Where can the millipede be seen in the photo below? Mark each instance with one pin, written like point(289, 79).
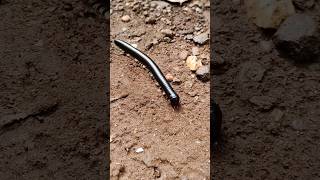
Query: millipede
point(153, 68)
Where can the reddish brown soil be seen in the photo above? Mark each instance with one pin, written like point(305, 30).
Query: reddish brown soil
point(175, 143)
point(281, 141)
point(52, 91)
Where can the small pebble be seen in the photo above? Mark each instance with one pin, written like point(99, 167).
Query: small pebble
point(167, 32)
point(125, 18)
point(218, 61)
point(134, 45)
point(176, 81)
point(189, 37)
point(150, 20)
point(193, 63)
point(124, 29)
point(139, 150)
point(169, 77)
point(201, 38)
point(203, 73)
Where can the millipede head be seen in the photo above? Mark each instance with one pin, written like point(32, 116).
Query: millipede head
point(175, 101)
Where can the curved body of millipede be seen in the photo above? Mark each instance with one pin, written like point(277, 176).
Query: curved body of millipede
point(154, 69)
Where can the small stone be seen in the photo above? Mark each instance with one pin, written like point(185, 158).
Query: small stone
point(125, 18)
point(218, 61)
point(134, 45)
point(201, 38)
point(183, 54)
point(195, 51)
point(263, 102)
point(269, 14)
point(298, 37)
point(167, 32)
point(251, 72)
point(169, 77)
point(159, 4)
point(151, 20)
point(197, 28)
point(266, 46)
point(198, 10)
point(193, 63)
point(145, 13)
point(203, 73)
point(139, 150)
point(166, 39)
point(124, 29)
point(189, 37)
point(218, 64)
point(176, 81)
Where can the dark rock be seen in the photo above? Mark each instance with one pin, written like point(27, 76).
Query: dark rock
point(151, 20)
point(203, 73)
point(269, 14)
point(218, 64)
point(218, 61)
point(304, 4)
point(298, 38)
point(251, 72)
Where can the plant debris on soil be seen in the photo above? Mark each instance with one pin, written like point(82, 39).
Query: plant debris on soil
point(52, 95)
point(149, 140)
point(270, 101)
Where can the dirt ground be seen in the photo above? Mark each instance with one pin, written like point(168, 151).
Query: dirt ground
point(276, 136)
point(52, 92)
point(175, 143)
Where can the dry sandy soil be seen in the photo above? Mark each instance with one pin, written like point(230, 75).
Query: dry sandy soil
point(276, 137)
point(175, 143)
point(52, 92)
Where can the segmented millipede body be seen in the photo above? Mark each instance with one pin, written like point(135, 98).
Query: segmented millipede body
point(153, 68)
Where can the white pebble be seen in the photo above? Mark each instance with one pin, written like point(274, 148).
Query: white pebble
point(139, 150)
point(125, 18)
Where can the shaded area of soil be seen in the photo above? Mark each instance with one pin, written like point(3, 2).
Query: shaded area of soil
point(270, 104)
point(53, 96)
